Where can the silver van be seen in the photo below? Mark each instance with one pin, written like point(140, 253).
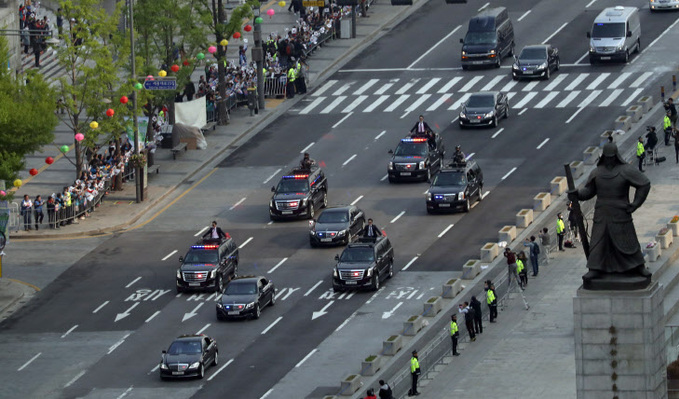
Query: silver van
point(615, 34)
point(655, 5)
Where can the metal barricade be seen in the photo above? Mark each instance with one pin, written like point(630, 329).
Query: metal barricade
point(14, 220)
point(274, 86)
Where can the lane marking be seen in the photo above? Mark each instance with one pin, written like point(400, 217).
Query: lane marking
point(450, 84)
point(245, 243)
point(407, 86)
point(219, 369)
point(342, 120)
point(615, 94)
point(416, 104)
point(170, 254)
point(386, 87)
point(201, 231)
point(550, 96)
point(348, 319)
point(525, 14)
point(634, 95)
point(376, 103)
point(450, 226)
point(543, 143)
point(555, 32)
point(492, 83)
point(428, 86)
point(356, 200)
point(306, 357)
point(409, 263)
point(485, 194)
point(267, 393)
point(69, 331)
point(307, 147)
point(311, 106)
point(434, 46)
point(386, 315)
point(349, 160)
point(439, 102)
point(455, 120)
point(483, 6)
point(641, 79)
point(526, 99)
point(468, 157)
point(522, 111)
point(372, 298)
point(152, 316)
point(598, 80)
point(324, 88)
point(366, 86)
point(398, 216)
point(77, 376)
point(238, 203)
point(128, 390)
point(132, 282)
point(555, 82)
point(583, 56)
point(266, 330)
point(100, 306)
point(380, 135)
point(277, 265)
point(570, 97)
point(508, 173)
point(313, 288)
point(471, 83)
point(384, 177)
point(203, 329)
point(153, 370)
point(396, 103)
point(622, 77)
point(117, 344)
point(272, 176)
point(590, 3)
point(497, 133)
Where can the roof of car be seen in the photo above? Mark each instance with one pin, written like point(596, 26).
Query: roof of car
point(449, 167)
point(245, 279)
point(536, 46)
point(190, 337)
point(338, 208)
point(484, 93)
point(366, 242)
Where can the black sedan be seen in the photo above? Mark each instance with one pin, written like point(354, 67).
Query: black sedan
point(336, 225)
point(484, 109)
point(246, 297)
point(189, 356)
point(537, 61)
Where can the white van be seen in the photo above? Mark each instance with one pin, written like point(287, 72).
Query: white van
point(615, 34)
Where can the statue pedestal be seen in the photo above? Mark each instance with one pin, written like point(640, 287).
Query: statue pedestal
point(620, 344)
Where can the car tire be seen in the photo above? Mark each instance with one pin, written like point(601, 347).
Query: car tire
point(273, 299)
point(390, 273)
point(220, 317)
point(216, 360)
point(324, 203)
point(498, 64)
point(639, 46)
point(626, 57)
point(430, 211)
point(480, 193)
point(506, 115)
point(179, 290)
point(391, 180)
point(548, 73)
point(376, 282)
point(311, 211)
point(514, 77)
point(312, 243)
point(494, 124)
point(465, 67)
point(427, 178)
point(258, 312)
point(592, 61)
point(219, 284)
point(201, 372)
point(558, 64)
point(466, 205)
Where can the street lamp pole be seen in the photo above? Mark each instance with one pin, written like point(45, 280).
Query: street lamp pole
point(137, 169)
point(258, 56)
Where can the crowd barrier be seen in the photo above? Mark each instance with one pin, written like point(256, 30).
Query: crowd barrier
point(274, 86)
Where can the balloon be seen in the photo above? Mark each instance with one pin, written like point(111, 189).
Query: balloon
point(124, 100)
point(236, 35)
point(33, 171)
point(17, 183)
point(138, 86)
point(79, 137)
point(212, 49)
point(247, 28)
point(93, 125)
point(49, 160)
point(162, 73)
point(186, 62)
point(174, 68)
point(150, 77)
point(270, 12)
point(2, 193)
point(110, 112)
point(281, 3)
point(64, 149)
point(258, 20)
point(200, 56)
point(224, 43)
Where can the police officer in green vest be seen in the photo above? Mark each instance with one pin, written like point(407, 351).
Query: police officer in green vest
point(641, 153)
point(560, 230)
point(290, 87)
point(491, 300)
point(300, 84)
point(454, 333)
point(414, 374)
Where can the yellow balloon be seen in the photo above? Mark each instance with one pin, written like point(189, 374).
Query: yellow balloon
point(281, 3)
point(224, 42)
point(94, 125)
point(18, 183)
point(162, 74)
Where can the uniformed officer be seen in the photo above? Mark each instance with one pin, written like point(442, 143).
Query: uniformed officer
point(414, 374)
point(560, 230)
point(454, 333)
point(641, 153)
point(290, 89)
point(459, 157)
point(491, 300)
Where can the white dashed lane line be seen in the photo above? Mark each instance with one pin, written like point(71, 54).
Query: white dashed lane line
point(266, 330)
point(272, 176)
point(170, 254)
point(100, 306)
point(200, 232)
point(351, 158)
point(306, 148)
point(398, 217)
point(69, 331)
point(210, 378)
point(409, 263)
point(543, 143)
point(29, 362)
point(277, 265)
point(381, 134)
point(509, 173)
point(450, 226)
point(356, 200)
point(238, 203)
point(245, 243)
point(306, 357)
point(132, 282)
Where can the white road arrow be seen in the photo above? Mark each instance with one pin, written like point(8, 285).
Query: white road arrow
point(321, 312)
point(192, 313)
point(126, 313)
point(386, 315)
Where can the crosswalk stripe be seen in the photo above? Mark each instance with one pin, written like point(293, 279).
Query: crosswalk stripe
point(428, 86)
point(313, 105)
point(438, 102)
point(354, 104)
point(333, 104)
point(564, 103)
point(546, 100)
point(471, 83)
point(641, 79)
point(525, 100)
point(589, 98)
point(577, 81)
point(384, 88)
point(396, 103)
point(376, 103)
point(325, 87)
point(366, 86)
point(555, 82)
point(598, 81)
point(450, 84)
point(492, 83)
point(417, 103)
point(530, 86)
point(511, 95)
point(509, 85)
point(457, 103)
point(621, 78)
point(615, 94)
point(342, 89)
point(632, 97)
point(407, 86)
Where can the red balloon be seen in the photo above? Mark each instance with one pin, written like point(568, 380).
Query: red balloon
point(186, 63)
point(174, 68)
point(236, 35)
point(33, 171)
point(124, 100)
point(49, 160)
point(110, 112)
point(247, 28)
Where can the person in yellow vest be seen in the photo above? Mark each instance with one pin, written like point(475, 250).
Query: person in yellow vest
point(290, 87)
point(414, 374)
point(68, 214)
point(300, 84)
point(667, 127)
point(491, 300)
point(521, 269)
point(454, 333)
point(641, 153)
point(560, 230)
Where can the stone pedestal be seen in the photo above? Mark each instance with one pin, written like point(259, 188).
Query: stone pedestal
point(620, 344)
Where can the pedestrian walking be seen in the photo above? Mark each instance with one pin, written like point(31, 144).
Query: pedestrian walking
point(478, 315)
point(468, 319)
point(454, 333)
point(25, 39)
point(546, 242)
point(512, 268)
point(534, 253)
point(385, 391)
point(37, 207)
point(491, 300)
point(560, 230)
point(27, 212)
point(414, 374)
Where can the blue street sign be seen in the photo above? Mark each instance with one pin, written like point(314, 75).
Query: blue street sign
point(160, 85)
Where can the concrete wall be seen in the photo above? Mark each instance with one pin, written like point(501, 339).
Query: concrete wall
point(9, 19)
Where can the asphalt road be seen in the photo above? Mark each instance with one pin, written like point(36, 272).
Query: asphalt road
point(97, 330)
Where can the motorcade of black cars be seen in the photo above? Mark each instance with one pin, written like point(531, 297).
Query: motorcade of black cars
point(208, 265)
point(246, 296)
point(536, 61)
point(489, 38)
point(189, 356)
point(364, 264)
point(298, 194)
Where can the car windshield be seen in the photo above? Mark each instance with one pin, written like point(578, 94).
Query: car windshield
point(485, 101)
point(412, 149)
point(333, 217)
point(480, 38)
point(293, 186)
point(184, 348)
point(449, 179)
point(202, 256)
point(358, 255)
point(533, 54)
point(241, 289)
point(600, 30)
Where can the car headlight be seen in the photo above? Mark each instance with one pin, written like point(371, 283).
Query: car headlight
point(492, 51)
point(213, 273)
point(422, 164)
point(272, 204)
point(391, 166)
point(464, 52)
point(515, 66)
point(489, 115)
point(461, 195)
point(179, 274)
point(591, 49)
point(341, 233)
point(463, 115)
point(250, 305)
point(313, 233)
point(620, 47)
point(334, 272)
point(194, 365)
point(542, 66)
point(369, 272)
point(430, 196)
point(219, 305)
point(163, 366)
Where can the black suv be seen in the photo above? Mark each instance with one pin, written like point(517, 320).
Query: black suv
point(364, 263)
point(208, 266)
point(416, 157)
point(455, 186)
point(298, 194)
point(336, 225)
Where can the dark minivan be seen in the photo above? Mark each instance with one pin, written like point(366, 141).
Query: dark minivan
point(489, 38)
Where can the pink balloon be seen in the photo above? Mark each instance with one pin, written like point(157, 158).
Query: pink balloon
point(270, 12)
point(212, 49)
point(79, 136)
point(2, 193)
point(150, 77)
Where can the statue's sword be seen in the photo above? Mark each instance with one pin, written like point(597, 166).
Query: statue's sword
point(578, 212)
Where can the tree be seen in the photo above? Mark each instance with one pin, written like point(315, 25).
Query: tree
point(27, 117)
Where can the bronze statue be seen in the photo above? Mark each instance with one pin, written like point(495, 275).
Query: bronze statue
point(615, 260)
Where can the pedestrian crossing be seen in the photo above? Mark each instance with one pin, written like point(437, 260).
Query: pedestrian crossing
point(406, 95)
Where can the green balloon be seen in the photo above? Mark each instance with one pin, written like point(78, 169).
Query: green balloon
point(200, 56)
point(64, 148)
point(259, 20)
point(138, 86)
